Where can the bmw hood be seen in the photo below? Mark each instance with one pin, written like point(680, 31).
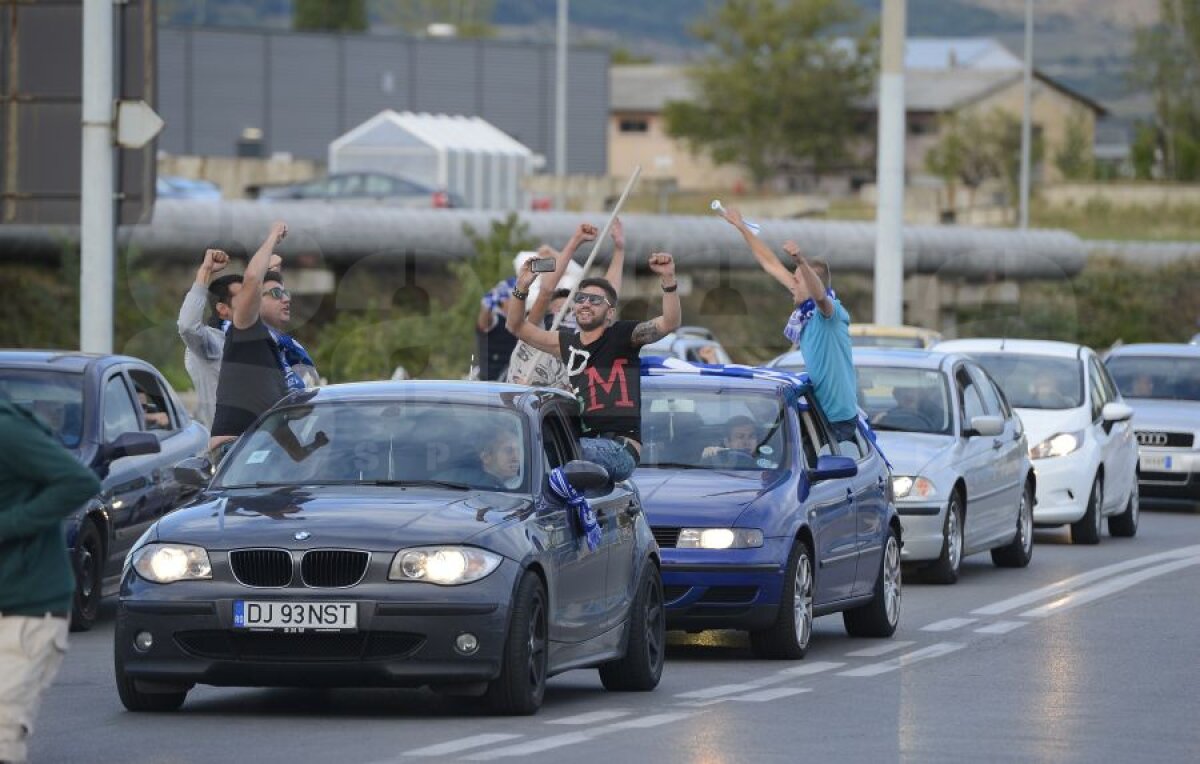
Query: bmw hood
point(376, 518)
point(911, 452)
point(1045, 423)
point(702, 497)
point(1169, 416)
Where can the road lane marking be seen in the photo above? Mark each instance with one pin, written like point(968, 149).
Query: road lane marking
point(1100, 591)
point(1001, 627)
point(949, 624)
point(463, 744)
point(593, 717)
point(808, 669)
point(884, 649)
point(906, 660)
point(766, 696)
point(704, 696)
point(581, 736)
point(1065, 585)
point(718, 691)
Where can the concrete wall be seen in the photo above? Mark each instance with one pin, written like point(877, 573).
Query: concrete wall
point(1122, 194)
point(235, 175)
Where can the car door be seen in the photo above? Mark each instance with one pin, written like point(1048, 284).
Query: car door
point(1005, 464)
point(160, 418)
point(577, 586)
point(1112, 438)
point(975, 468)
point(829, 508)
point(1128, 449)
point(128, 493)
point(870, 510)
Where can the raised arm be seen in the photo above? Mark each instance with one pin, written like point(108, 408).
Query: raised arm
point(527, 331)
point(616, 266)
point(191, 313)
point(585, 232)
point(249, 298)
point(762, 253)
point(657, 328)
point(810, 279)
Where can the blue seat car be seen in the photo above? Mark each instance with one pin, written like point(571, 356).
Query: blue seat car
point(764, 522)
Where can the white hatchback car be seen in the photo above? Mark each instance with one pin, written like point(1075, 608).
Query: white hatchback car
point(1082, 444)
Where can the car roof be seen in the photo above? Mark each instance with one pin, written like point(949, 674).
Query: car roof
point(885, 330)
point(1173, 349)
point(910, 358)
point(1051, 348)
point(790, 358)
point(454, 391)
point(60, 360)
point(699, 381)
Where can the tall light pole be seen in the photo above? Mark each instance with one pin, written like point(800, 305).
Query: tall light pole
point(560, 102)
point(1027, 119)
point(97, 225)
point(889, 213)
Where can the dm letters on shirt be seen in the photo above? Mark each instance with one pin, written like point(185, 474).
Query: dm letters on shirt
point(600, 393)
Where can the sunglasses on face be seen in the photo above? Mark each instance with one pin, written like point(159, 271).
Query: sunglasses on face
point(279, 293)
point(590, 299)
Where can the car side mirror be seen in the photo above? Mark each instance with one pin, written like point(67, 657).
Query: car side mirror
point(1116, 412)
point(586, 477)
point(985, 426)
point(194, 472)
point(130, 444)
point(831, 467)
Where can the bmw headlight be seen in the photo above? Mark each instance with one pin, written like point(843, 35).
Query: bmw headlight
point(1057, 445)
point(168, 563)
point(443, 565)
point(904, 487)
point(719, 538)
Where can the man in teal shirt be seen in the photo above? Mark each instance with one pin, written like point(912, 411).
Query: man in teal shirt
point(41, 483)
point(819, 326)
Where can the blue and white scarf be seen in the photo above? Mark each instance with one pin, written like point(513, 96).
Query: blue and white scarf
point(801, 316)
point(585, 516)
point(497, 296)
point(290, 354)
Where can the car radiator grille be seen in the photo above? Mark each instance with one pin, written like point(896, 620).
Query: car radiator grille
point(1165, 439)
point(262, 567)
point(333, 567)
point(307, 647)
point(666, 537)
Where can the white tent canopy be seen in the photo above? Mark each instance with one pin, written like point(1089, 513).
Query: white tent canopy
point(463, 155)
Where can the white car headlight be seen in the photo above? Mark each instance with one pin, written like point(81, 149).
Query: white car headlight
point(168, 563)
point(443, 565)
point(918, 487)
point(719, 538)
point(1057, 445)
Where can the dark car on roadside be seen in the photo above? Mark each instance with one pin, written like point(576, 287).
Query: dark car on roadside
point(766, 531)
point(396, 534)
point(120, 417)
point(364, 188)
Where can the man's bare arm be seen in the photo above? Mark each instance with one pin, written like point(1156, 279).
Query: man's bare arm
point(249, 298)
point(616, 266)
point(519, 327)
point(585, 232)
point(762, 253)
point(812, 282)
point(655, 329)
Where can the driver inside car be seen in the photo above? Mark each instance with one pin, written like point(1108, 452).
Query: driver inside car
point(741, 437)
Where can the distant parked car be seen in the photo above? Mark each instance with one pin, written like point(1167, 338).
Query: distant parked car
point(1084, 451)
point(117, 415)
point(882, 336)
point(694, 344)
point(364, 188)
point(1195, 339)
point(174, 187)
point(961, 473)
point(1162, 384)
point(792, 360)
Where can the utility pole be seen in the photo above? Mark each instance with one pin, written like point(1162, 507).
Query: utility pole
point(560, 104)
point(97, 225)
point(889, 212)
point(1027, 118)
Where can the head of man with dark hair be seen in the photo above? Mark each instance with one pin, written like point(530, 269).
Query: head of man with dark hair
point(221, 292)
point(276, 308)
point(595, 303)
point(500, 454)
point(741, 434)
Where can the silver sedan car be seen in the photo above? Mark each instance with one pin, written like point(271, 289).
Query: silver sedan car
point(961, 472)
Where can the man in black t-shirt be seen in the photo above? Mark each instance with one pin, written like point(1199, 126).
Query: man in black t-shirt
point(602, 361)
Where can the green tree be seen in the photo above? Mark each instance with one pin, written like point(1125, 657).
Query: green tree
point(963, 154)
point(1142, 152)
point(1004, 129)
point(330, 15)
point(471, 18)
point(1167, 65)
point(779, 95)
point(1074, 157)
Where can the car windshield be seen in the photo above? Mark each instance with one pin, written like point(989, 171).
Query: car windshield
point(383, 442)
point(793, 362)
point(905, 399)
point(712, 429)
point(1036, 381)
point(866, 341)
point(56, 397)
point(1159, 377)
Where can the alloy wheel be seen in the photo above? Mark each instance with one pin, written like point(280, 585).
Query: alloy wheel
point(802, 601)
point(1098, 499)
point(891, 579)
point(537, 643)
point(1025, 524)
point(655, 625)
point(953, 538)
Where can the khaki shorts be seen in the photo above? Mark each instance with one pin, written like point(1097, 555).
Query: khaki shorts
point(31, 651)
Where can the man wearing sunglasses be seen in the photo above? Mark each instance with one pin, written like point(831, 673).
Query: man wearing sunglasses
point(602, 361)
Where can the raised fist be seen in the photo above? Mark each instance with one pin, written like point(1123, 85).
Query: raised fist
point(662, 264)
point(586, 232)
point(279, 231)
point(793, 250)
point(215, 260)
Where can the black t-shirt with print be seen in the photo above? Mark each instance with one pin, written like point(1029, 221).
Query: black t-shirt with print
point(251, 379)
point(606, 378)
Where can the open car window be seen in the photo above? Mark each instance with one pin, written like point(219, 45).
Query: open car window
point(714, 428)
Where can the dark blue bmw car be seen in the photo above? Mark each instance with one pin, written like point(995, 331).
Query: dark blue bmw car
point(765, 521)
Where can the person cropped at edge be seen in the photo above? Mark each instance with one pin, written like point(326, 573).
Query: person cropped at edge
point(41, 483)
point(602, 361)
point(819, 325)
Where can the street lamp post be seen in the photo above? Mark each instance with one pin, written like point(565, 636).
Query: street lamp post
point(97, 224)
point(1027, 119)
point(560, 103)
point(889, 214)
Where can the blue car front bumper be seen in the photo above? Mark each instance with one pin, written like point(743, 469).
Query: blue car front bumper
point(725, 589)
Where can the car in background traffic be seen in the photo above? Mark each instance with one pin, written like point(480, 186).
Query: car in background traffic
point(693, 344)
point(1084, 452)
point(175, 187)
point(118, 416)
point(394, 534)
point(764, 521)
point(1162, 384)
point(961, 473)
point(883, 336)
point(364, 188)
point(791, 361)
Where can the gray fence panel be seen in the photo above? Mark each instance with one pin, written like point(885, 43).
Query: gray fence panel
point(587, 114)
point(172, 92)
point(376, 77)
point(514, 96)
point(228, 85)
point(447, 77)
point(303, 94)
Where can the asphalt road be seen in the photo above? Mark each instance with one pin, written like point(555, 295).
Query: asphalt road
point(1092, 654)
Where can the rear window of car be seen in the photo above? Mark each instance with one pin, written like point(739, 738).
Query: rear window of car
point(56, 397)
point(1034, 381)
point(1157, 377)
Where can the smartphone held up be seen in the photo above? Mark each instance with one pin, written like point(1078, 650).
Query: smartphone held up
point(543, 265)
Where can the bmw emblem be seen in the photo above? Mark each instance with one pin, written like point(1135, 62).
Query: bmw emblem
point(302, 535)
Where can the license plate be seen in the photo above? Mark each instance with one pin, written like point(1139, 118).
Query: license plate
point(1156, 462)
point(295, 616)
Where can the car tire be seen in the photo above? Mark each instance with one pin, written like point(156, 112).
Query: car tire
point(645, 650)
point(945, 569)
point(519, 689)
point(1125, 525)
point(1018, 552)
point(1087, 529)
point(789, 636)
point(880, 616)
point(88, 559)
point(135, 700)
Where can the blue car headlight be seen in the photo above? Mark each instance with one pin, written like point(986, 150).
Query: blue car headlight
point(719, 538)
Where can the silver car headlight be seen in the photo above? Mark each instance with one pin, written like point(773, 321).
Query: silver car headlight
point(168, 563)
point(905, 486)
point(1057, 445)
point(443, 565)
point(719, 538)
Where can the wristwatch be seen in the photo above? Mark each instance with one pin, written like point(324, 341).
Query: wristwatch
point(517, 293)
point(671, 288)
